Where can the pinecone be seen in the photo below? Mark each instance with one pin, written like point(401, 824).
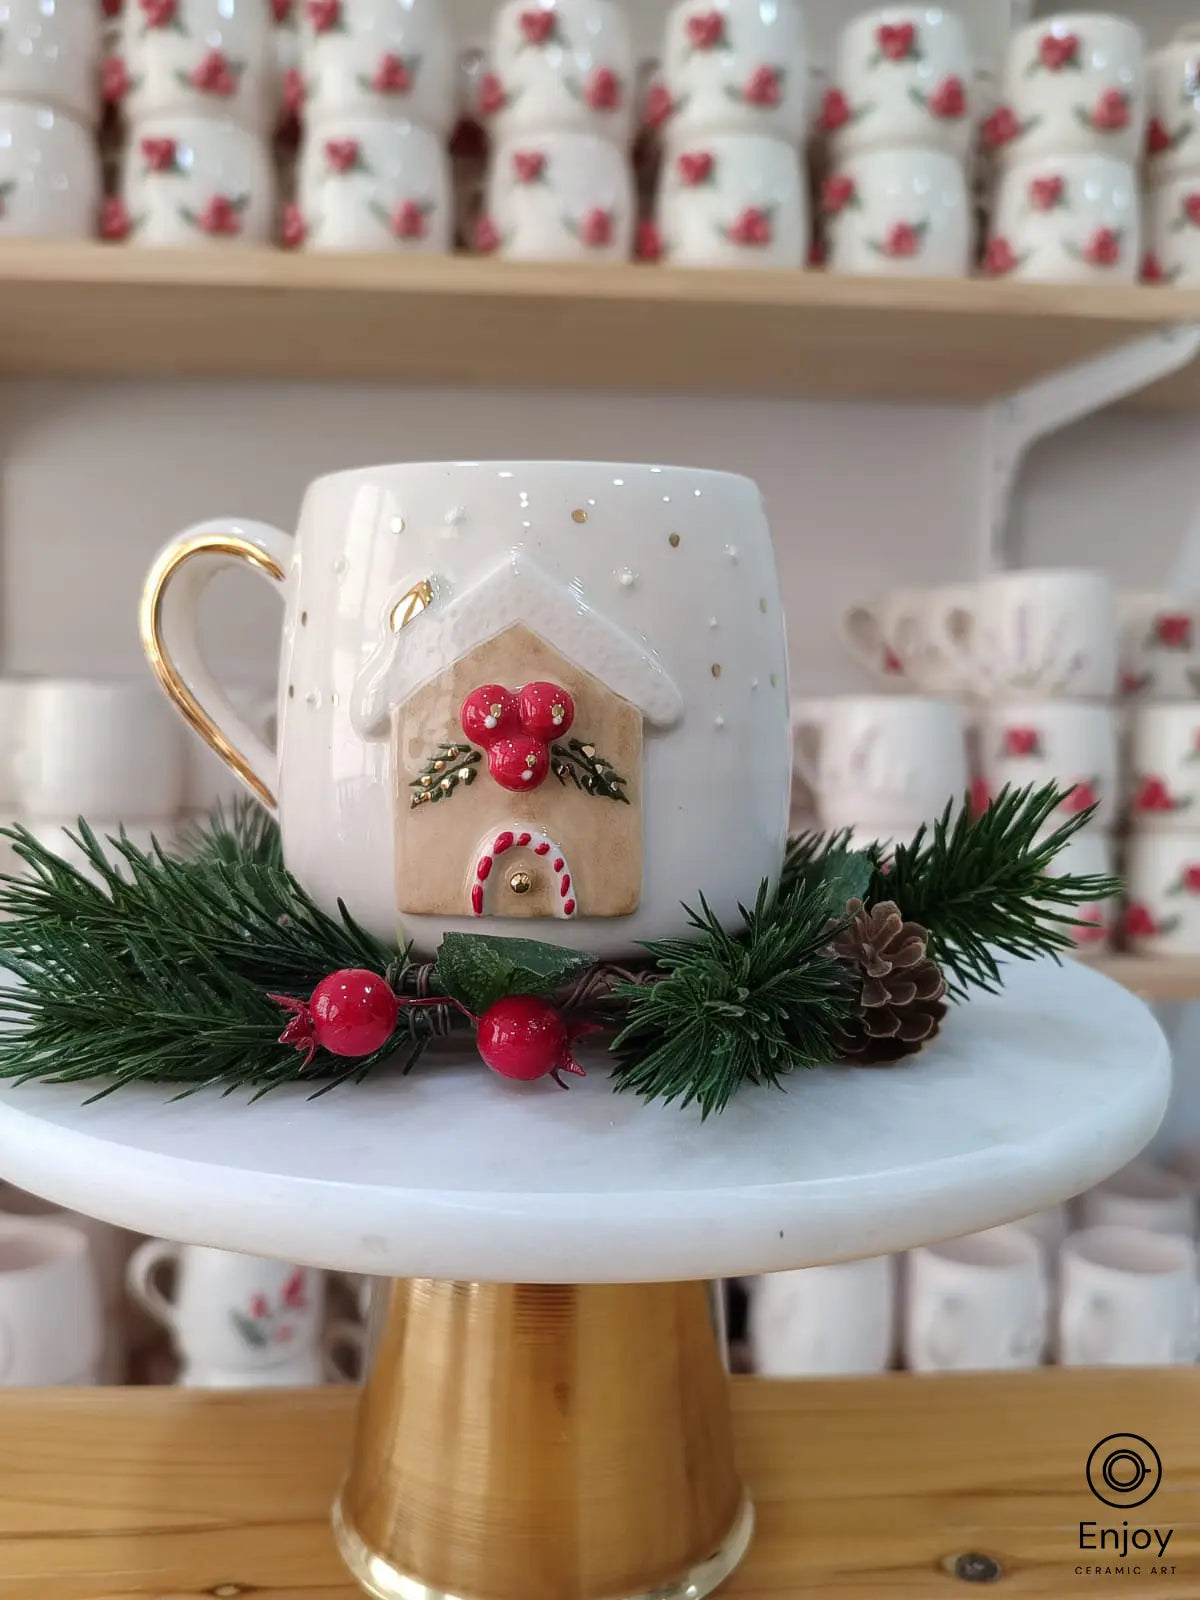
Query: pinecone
point(903, 993)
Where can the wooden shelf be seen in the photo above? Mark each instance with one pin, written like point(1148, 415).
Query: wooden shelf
point(1165, 978)
point(864, 1488)
point(94, 309)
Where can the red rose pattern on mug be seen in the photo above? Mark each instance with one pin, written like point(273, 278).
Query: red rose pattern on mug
point(1057, 52)
point(1110, 114)
point(902, 241)
point(896, 41)
point(221, 218)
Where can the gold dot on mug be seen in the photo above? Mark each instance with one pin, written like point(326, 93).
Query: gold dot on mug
point(716, 670)
point(579, 515)
point(304, 619)
point(762, 605)
point(520, 883)
point(673, 541)
point(291, 691)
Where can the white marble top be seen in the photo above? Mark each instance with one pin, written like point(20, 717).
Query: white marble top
point(1025, 1099)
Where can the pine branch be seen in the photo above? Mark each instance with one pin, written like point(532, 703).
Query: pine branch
point(985, 886)
point(737, 1009)
point(578, 763)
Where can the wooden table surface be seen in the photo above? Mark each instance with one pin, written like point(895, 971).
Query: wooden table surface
point(866, 1489)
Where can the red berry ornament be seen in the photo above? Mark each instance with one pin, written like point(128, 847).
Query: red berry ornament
point(546, 711)
point(525, 1038)
point(350, 1013)
point(519, 764)
point(490, 713)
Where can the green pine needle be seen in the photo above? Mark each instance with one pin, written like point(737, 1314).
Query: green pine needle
point(735, 1009)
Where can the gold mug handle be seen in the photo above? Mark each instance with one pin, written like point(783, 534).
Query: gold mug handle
point(169, 620)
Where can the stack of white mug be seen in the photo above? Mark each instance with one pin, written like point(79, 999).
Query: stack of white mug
point(1067, 139)
point(1034, 654)
point(379, 98)
point(1172, 208)
point(1120, 1291)
point(194, 84)
point(1160, 635)
point(730, 110)
point(898, 119)
point(557, 99)
point(49, 105)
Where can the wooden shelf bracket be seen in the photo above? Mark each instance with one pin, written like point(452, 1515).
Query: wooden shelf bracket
point(1013, 425)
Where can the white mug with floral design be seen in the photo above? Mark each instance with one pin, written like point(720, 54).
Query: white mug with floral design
point(732, 200)
point(893, 639)
point(558, 197)
point(1074, 83)
point(229, 1311)
point(979, 1302)
point(559, 66)
point(50, 55)
point(732, 65)
point(1090, 853)
point(204, 58)
point(1173, 129)
point(1053, 741)
point(377, 58)
point(49, 174)
point(1172, 253)
point(894, 759)
point(51, 1309)
point(1162, 913)
point(1066, 219)
point(578, 634)
point(904, 213)
point(902, 76)
point(1160, 646)
point(367, 183)
point(191, 182)
point(1164, 756)
point(1035, 633)
point(829, 1320)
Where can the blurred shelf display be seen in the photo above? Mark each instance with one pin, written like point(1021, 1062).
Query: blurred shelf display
point(1165, 978)
point(84, 309)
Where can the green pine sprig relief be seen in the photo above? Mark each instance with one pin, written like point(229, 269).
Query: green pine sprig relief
point(150, 966)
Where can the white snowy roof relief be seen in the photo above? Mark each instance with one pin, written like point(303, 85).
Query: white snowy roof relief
point(515, 591)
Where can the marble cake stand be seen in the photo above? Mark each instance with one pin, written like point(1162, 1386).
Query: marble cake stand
point(546, 1417)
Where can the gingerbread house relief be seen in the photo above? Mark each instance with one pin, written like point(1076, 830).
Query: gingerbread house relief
point(515, 716)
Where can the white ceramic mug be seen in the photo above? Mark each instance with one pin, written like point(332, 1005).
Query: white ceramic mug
point(51, 55)
point(1160, 646)
point(977, 1303)
point(1127, 1298)
point(733, 200)
point(566, 66)
point(49, 174)
point(1090, 853)
point(897, 759)
point(101, 749)
point(903, 212)
point(559, 197)
point(893, 639)
point(1173, 128)
point(1162, 916)
point(1164, 754)
point(1053, 741)
point(410, 588)
point(1035, 633)
point(1066, 219)
point(734, 66)
point(1073, 83)
point(906, 79)
point(378, 58)
point(194, 58)
point(51, 1316)
point(196, 182)
point(1172, 243)
point(230, 1312)
point(367, 183)
point(1143, 1196)
point(824, 1320)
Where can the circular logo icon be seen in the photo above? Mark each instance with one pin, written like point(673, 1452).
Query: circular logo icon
point(1124, 1470)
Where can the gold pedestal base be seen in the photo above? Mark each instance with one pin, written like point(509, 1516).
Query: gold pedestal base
point(536, 1442)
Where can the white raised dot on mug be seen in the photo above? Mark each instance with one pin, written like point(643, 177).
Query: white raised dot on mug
point(627, 577)
point(455, 516)
point(397, 524)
